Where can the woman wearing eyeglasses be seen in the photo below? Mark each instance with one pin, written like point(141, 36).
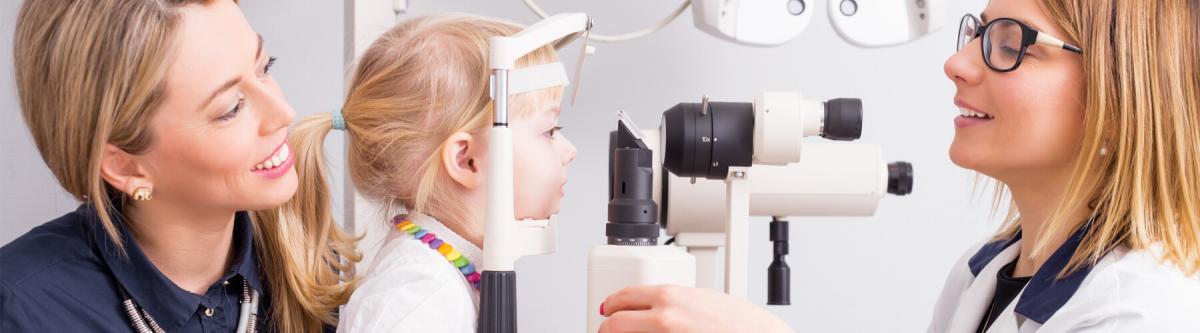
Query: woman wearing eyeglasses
point(1087, 112)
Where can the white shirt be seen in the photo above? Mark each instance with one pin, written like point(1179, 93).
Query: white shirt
point(413, 288)
point(1126, 291)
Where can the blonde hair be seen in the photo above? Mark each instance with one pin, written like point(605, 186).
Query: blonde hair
point(1142, 87)
point(91, 73)
point(420, 82)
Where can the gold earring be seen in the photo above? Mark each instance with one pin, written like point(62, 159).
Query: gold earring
point(142, 194)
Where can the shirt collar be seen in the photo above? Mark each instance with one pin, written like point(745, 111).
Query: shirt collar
point(168, 304)
point(1045, 294)
point(989, 251)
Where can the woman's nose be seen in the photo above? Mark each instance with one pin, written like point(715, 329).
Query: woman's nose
point(965, 66)
point(273, 111)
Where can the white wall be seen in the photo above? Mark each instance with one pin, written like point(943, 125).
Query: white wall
point(879, 274)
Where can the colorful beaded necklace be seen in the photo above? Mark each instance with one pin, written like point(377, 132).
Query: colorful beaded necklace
point(445, 249)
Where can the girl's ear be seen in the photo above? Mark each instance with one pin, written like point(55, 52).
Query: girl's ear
point(461, 157)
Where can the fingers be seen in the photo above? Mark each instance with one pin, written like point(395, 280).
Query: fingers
point(638, 298)
point(631, 321)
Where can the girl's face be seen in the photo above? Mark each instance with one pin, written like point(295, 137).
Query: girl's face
point(220, 132)
point(1036, 110)
point(540, 157)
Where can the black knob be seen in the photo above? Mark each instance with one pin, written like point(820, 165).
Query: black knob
point(900, 178)
point(779, 275)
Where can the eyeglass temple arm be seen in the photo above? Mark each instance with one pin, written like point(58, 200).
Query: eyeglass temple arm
point(1043, 38)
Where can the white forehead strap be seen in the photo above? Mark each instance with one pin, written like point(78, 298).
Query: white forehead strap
point(536, 77)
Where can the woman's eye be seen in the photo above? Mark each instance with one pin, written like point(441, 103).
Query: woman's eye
point(233, 112)
point(267, 68)
point(554, 130)
point(1010, 51)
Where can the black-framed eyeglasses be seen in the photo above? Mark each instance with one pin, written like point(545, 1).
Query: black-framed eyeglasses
point(1009, 39)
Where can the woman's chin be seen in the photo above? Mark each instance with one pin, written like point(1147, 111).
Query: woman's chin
point(274, 194)
point(964, 156)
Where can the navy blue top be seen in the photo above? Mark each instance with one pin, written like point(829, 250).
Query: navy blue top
point(1045, 293)
point(62, 277)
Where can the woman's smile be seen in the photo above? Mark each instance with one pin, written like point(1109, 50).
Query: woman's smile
point(276, 165)
point(970, 116)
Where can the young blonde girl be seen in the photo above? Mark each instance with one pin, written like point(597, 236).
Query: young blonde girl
point(415, 118)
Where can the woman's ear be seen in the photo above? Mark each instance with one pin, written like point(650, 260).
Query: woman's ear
point(122, 171)
point(461, 157)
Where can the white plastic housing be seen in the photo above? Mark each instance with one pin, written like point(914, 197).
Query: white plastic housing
point(505, 50)
point(874, 23)
point(507, 238)
point(830, 179)
point(777, 116)
point(753, 22)
point(613, 267)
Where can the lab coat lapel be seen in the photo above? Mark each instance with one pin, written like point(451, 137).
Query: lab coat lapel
point(975, 300)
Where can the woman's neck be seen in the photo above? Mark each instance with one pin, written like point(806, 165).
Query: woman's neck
point(1036, 201)
point(192, 250)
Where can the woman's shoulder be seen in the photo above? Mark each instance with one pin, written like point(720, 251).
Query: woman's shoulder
point(1144, 273)
point(1138, 290)
point(408, 286)
point(51, 270)
point(57, 247)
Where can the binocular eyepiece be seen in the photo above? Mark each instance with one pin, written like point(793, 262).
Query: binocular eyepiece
point(702, 140)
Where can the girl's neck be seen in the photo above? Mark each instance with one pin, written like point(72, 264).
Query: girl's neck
point(192, 249)
point(471, 228)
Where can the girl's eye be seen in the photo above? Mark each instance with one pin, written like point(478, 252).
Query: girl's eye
point(553, 131)
point(233, 112)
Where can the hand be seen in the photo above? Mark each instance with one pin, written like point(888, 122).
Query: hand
point(664, 309)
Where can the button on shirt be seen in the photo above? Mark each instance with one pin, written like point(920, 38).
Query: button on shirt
point(63, 275)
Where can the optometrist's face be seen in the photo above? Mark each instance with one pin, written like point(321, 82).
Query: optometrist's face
point(219, 135)
point(1036, 111)
point(540, 157)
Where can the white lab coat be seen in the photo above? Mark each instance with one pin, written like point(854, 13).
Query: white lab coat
point(1126, 291)
point(412, 288)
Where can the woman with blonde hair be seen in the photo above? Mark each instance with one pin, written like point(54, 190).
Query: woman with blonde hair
point(162, 118)
point(416, 117)
point(1088, 114)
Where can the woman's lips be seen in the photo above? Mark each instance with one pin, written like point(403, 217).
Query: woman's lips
point(278, 164)
point(964, 121)
point(969, 115)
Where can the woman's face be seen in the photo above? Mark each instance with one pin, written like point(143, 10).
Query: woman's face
point(219, 135)
point(540, 157)
point(1036, 110)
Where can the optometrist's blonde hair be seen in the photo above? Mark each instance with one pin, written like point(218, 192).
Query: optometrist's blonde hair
point(91, 73)
point(1142, 87)
point(420, 82)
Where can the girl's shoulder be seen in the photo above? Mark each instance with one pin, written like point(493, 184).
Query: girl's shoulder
point(409, 287)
